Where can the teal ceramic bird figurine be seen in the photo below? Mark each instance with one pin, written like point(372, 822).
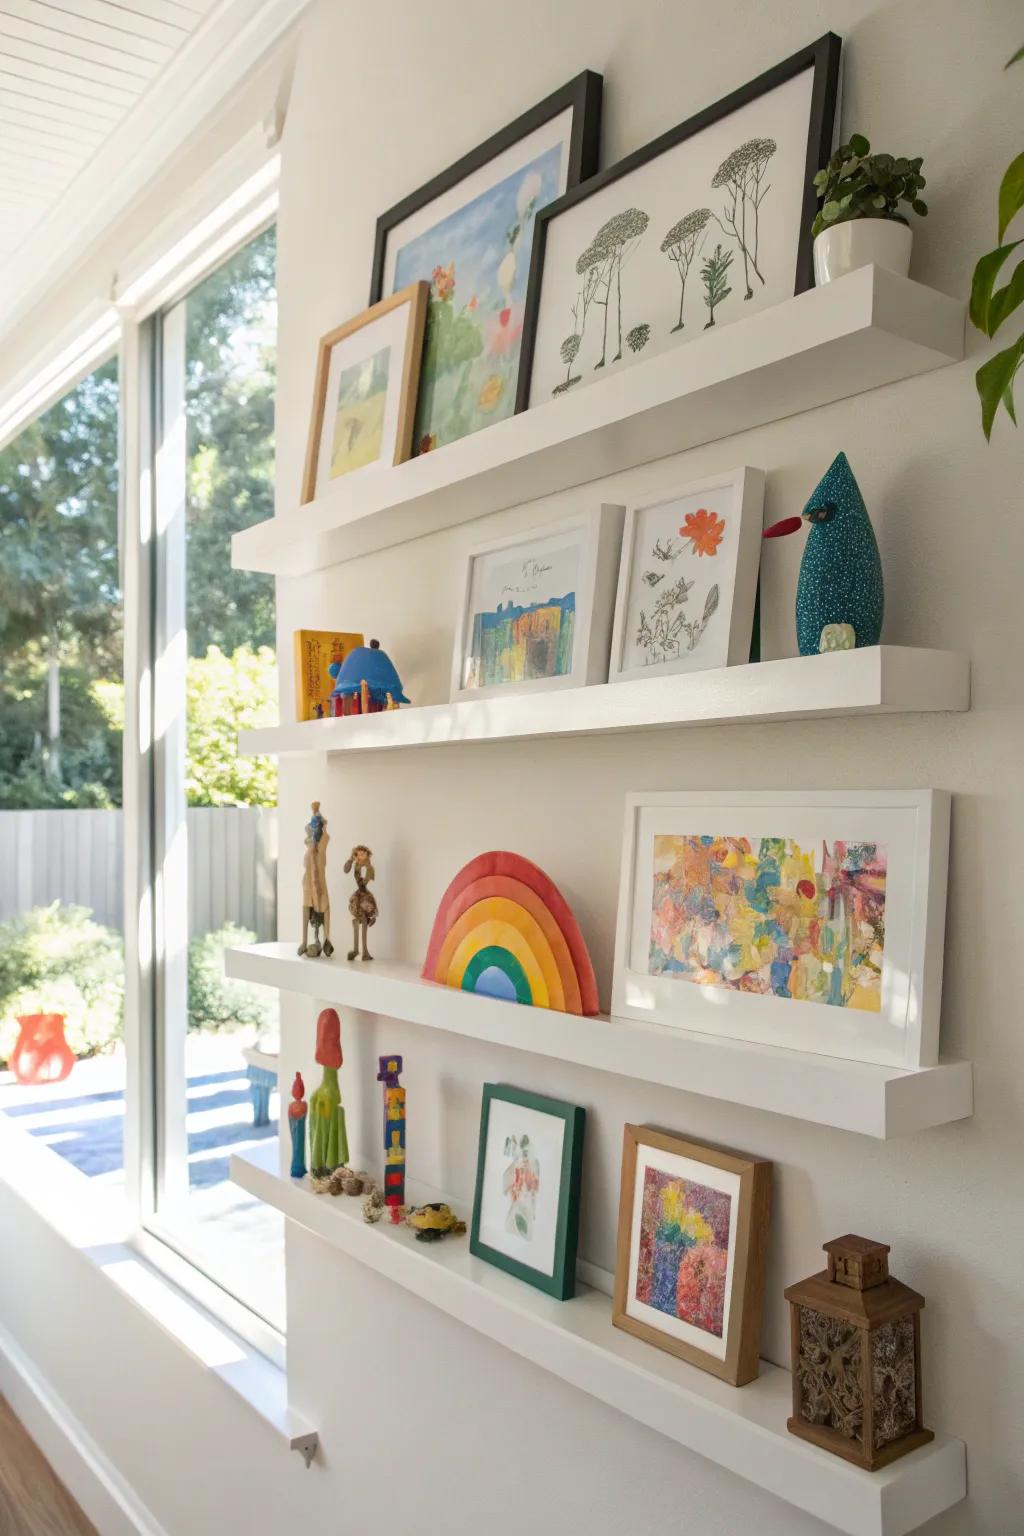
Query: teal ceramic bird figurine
point(840, 587)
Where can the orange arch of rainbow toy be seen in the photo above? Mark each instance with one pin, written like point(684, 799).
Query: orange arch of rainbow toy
point(505, 930)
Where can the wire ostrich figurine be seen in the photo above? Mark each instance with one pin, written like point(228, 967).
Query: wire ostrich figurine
point(362, 904)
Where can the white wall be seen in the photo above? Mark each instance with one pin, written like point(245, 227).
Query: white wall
point(424, 1423)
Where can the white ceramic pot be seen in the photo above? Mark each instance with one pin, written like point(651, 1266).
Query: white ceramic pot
point(861, 243)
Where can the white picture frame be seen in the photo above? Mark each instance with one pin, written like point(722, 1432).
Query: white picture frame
point(718, 569)
point(694, 968)
point(578, 553)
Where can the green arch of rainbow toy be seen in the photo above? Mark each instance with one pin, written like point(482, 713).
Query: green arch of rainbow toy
point(504, 930)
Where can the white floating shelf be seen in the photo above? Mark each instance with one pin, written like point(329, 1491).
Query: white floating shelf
point(742, 1429)
point(867, 329)
point(852, 1096)
point(879, 680)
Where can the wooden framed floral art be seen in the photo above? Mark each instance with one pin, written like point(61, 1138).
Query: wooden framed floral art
point(811, 920)
point(688, 578)
point(692, 1242)
point(706, 225)
point(536, 610)
point(468, 232)
point(365, 391)
point(526, 1208)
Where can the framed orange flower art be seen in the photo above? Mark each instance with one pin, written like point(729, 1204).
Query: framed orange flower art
point(688, 578)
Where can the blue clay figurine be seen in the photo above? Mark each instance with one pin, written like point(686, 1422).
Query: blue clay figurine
point(840, 587)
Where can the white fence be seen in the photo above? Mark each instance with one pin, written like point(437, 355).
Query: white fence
point(76, 857)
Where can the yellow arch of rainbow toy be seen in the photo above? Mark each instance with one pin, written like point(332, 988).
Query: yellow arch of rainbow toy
point(496, 920)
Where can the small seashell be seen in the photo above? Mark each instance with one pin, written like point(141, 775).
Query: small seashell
point(838, 637)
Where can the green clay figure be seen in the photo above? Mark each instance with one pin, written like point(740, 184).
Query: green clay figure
point(328, 1140)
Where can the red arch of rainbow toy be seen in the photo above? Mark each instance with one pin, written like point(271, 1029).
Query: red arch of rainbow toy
point(501, 902)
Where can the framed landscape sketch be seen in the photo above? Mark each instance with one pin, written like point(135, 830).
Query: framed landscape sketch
point(536, 610)
point(469, 233)
point(692, 1241)
point(365, 391)
point(706, 225)
point(526, 1208)
point(688, 578)
point(812, 920)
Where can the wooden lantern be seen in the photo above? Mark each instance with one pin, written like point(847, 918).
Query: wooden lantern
point(857, 1357)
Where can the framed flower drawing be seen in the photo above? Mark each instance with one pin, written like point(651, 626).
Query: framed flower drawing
point(688, 578)
point(365, 391)
point(536, 609)
point(811, 920)
point(706, 225)
point(526, 1208)
point(468, 233)
point(692, 1241)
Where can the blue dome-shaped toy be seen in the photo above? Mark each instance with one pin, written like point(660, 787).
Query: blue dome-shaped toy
point(370, 665)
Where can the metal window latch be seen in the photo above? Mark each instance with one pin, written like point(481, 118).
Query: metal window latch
point(306, 1445)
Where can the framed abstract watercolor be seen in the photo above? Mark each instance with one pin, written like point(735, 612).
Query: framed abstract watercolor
point(536, 610)
point(526, 1208)
point(365, 391)
point(811, 920)
point(468, 233)
point(688, 578)
point(693, 1236)
point(706, 225)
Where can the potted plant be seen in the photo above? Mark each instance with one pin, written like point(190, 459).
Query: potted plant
point(860, 220)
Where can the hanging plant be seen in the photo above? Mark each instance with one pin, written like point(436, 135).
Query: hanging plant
point(991, 307)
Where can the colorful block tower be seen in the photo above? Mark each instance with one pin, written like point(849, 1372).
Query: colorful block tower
point(394, 1130)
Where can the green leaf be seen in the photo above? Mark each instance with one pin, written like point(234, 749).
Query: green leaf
point(1011, 193)
point(830, 212)
point(859, 144)
point(983, 283)
point(1005, 300)
point(878, 202)
point(820, 181)
point(920, 207)
point(994, 381)
point(1016, 58)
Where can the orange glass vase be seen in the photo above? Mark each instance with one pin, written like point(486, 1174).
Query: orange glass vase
point(41, 1054)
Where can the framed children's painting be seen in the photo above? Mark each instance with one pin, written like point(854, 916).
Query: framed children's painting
point(688, 578)
point(469, 233)
point(526, 1209)
point(365, 391)
point(693, 1235)
point(536, 610)
point(706, 225)
point(812, 920)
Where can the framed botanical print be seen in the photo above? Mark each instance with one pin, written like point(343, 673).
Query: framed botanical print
point(526, 1209)
point(536, 610)
point(806, 919)
point(692, 1242)
point(365, 391)
point(706, 225)
point(468, 233)
point(688, 578)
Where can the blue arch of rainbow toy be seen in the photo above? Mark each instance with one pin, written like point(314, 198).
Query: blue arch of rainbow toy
point(495, 972)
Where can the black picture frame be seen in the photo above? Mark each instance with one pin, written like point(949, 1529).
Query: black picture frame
point(582, 94)
point(823, 56)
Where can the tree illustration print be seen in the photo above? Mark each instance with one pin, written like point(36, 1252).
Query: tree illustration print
point(714, 275)
point(742, 175)
point(682, 243)
point(600, 271)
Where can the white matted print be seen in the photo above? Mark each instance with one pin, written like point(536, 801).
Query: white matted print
point(522, 1180)
point(807, 920)
point(688, 578)
point(537, 606)
point(705, 226)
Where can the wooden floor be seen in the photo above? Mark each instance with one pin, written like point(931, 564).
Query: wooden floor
point(32, 1501)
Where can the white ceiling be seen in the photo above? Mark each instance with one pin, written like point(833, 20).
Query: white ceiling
point(70, 73)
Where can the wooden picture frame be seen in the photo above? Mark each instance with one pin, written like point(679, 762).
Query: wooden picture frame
point(555, 1222)
point(469, 231)
point(395, 446)
point(823, 58)
point(745, 1184)
point(733, 566)
point(850, 913)
point(588, 545)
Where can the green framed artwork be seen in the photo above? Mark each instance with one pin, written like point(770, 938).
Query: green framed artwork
point(527, 1204)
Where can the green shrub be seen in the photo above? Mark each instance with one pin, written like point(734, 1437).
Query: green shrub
point(55, 959)
point(215, 1002)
